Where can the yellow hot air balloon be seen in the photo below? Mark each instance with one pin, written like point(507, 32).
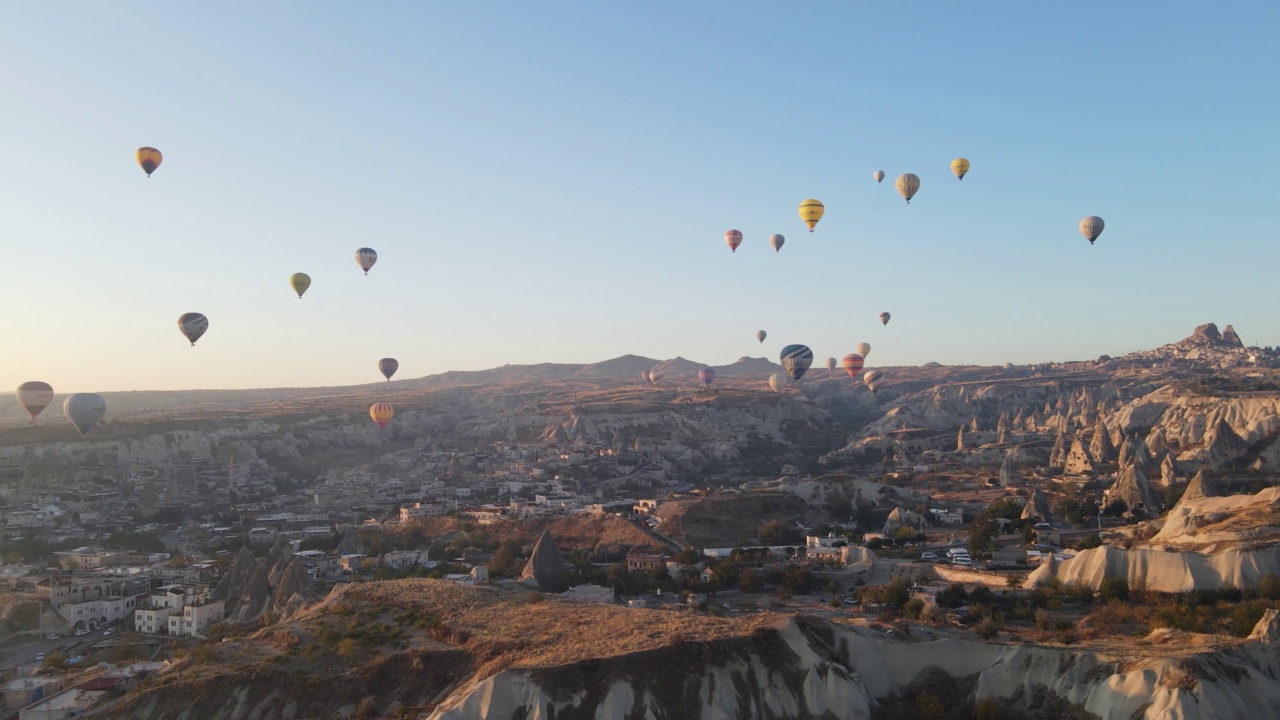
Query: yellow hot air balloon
point(299, 282)
point(381, 413)
point(811, 212)
point(960, 166)
point(149, 158)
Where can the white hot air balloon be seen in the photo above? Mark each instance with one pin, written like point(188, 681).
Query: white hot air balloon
point(776, 241)
point(761, 335)
point(907, 184)
point(1091, 227)
point(863, 349)
point(777, 381)
point(878, 175)
point(832, 364)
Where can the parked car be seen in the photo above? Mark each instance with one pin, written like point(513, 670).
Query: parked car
point(81, 632)
point(39, 657)
point(962, 560)
point(109, 632)
point(929, 555)
point(52, 636)
point(852, 601)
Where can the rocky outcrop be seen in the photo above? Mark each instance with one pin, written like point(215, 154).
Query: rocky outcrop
point(1230, 338)
point(1037, 507)
point(294, 588)
point(1058, 454)
point(1134, 488)
point(1168, 472)
point(545, 568)
point(1222, 446)
point(256, 598)
point(1101, 448)
point(899, 518)
point(1199, 487)
point(1009, 476)
point(1169, 572)
point(232, 585)
point(1078, 462)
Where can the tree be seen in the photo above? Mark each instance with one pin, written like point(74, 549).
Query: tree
point(1113, 588)
point(896, 593)
point(687, 556)
point(750, 580)
point(777, 532)
point(1089, 541)
point(726, 574)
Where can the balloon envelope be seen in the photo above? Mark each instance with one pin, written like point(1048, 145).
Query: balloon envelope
point(832, 363)
point(148, 159)
point(863, 349)
point(960, 166)
point(776, 241)
point(878, 175)
point(796, 360)
point(707, 376)
point(872, 376)
point(907, 184)
point(811, 212)
point(381, 413)
point(365, 258)
point(852, 364)
point(193, 325)
point(35, 396)
point(1091, 227)
point(884, 318)
point(388, 367)
point(84, 410)
point(299, 282)
point(761, 335)
point(733, 239)
point(777, 381)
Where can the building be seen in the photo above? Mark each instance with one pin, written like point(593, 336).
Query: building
point(195, 618)
point(644, 560)
point(421, 510)
point(178, 609)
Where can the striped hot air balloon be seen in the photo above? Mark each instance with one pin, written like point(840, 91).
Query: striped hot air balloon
point(193, 325)
point(796, 360)
point(365, 258)
point(872, 379)
point(733, 239)
point(707, 376)
point(852, 364)
point(34, 397)
point(381, 413)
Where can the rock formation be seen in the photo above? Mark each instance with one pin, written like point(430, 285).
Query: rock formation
point(1100, 447)
point(1002, 429)
point(256, 598)
point(1222, 445)
point(545, 568)
point(1009, 476)
point(232, 585)
point(960, 439)
point(1058, 455)
point(1078, 461)
point(1168, 472)
point(1230, 338)
point(294, 589)
point(1156, 441)
point(1037, 507)
point(1134, 488)
point(1199, 487)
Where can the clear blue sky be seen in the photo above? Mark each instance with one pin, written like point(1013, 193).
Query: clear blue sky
point(550, 182)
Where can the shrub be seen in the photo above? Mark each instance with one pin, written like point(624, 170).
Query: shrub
point(1113, 588)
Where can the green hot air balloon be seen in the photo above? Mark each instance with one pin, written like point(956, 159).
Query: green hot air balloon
point(299, 282)
point(84, 410)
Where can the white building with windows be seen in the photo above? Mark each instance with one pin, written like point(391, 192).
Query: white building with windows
point(166, 610)
point(195, 618)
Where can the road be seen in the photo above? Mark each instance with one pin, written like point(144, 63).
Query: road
point(23, 654)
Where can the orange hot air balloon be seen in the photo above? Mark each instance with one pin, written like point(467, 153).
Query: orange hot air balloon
point(852, 364)
point(381, 413)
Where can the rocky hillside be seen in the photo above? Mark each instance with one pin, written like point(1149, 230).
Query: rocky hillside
point(407, 647)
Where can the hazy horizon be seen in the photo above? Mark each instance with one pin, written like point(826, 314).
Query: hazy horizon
point(552, 184)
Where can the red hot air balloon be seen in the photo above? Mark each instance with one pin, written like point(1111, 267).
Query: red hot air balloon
point(852, 364)
point(733, 239)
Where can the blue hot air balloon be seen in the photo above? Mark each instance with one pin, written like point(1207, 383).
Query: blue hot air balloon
point(796, 360)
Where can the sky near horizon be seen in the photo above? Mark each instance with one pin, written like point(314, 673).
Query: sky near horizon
point(551, 182)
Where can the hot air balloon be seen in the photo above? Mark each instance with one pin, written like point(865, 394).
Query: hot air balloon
point(863, 349)
point(193, 325)
point(733, 238)
point(878, 175)
point(365, 258)
point(707, 376)
point(852, 364)
point(654, 377)
point(777, 381)
point(811, 212)
point(884, 318)
point(388, 367)
point(149, 158)
point(761, 335)
point(34, 397)
point(832, 364)
point(1091, 227)
point(84, 410)
point(871, 378)
point(776, 241)
point(381, 413)
point(907, 185)
point(796, 360)
point(299, 282)
point(960, 166)
point(645, 375)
